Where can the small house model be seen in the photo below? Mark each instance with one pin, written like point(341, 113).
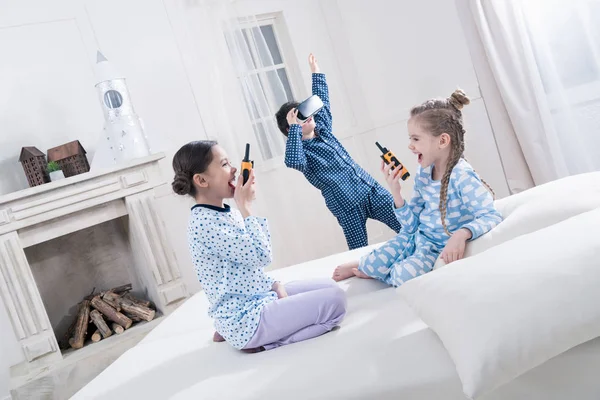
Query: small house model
point(71, 158)
point(34, 165)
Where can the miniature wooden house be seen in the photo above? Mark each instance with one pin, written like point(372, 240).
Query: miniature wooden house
point(71, 158)
point(34, 164)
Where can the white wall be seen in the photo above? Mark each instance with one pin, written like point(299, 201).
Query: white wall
point(381, 58)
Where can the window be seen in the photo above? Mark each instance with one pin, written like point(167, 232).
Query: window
point(264, 78)
point(565, 41)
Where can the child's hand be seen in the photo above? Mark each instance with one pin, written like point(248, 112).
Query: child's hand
point(455, 248)
point(292, 117)
point(312, 61)
point(244, 195)
point(279, 289)
point(393, 180)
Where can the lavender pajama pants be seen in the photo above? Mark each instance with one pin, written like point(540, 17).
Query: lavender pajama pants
point(311, 309)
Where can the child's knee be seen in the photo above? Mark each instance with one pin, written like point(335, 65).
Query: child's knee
point(408, 270)
point(328, 283)
point(338, 301)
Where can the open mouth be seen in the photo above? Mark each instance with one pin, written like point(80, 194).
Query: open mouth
point(232, 183)
point(419, 157)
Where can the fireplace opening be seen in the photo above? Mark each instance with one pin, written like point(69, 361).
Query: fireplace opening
point(78, 271)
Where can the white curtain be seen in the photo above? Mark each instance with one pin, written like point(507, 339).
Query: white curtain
point(257, 59)
point(545, 58)
point(244, 75)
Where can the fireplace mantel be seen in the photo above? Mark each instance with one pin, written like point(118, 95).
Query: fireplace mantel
point(45, 212)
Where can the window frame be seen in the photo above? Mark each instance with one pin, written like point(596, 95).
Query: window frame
point(288, 64)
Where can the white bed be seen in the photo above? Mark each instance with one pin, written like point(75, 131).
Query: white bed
point(382, 351)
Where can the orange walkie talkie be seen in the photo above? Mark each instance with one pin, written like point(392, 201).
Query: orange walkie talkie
point(247, 165)
point(389, 157)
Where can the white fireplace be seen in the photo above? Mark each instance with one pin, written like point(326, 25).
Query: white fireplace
point(61, 240)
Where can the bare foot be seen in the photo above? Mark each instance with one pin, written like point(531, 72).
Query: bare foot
point(217, 337)
point(344, 271)
point(360, 274)
point(279, 288)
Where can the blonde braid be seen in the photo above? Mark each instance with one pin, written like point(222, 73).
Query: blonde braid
point(487, 186)
point(457, 152)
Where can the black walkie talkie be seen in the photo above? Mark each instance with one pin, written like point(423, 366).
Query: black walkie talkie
point(247, 165)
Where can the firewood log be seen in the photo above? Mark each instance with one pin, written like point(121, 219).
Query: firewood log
point(96, 337)
point(132, 317)
point(100, 324)
point(138, 310)
point(64, 343)
point(120, 290)
point(83, 317)
point(112, 299)
point(144, 303)
point(118, 329)
point(110, 313)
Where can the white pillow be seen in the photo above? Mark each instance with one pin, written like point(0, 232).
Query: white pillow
point(513, 307)
point(571, 187)
point(538, 208)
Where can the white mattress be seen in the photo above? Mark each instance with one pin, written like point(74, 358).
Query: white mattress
point(382, 351)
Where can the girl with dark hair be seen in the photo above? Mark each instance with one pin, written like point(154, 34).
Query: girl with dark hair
point(230, 249)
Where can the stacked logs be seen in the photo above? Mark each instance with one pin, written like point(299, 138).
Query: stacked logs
point(100, 315)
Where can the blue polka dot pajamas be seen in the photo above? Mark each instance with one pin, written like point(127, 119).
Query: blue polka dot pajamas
point(229, 254)
point(415, 249)
point(350, 193)
point(378, 206)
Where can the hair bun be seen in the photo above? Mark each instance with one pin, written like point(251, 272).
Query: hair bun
point(459, 99)
point(182, 184)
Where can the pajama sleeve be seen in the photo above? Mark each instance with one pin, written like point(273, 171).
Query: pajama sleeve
point(408, 214)
point(249, 246)
point(294, 152)
point(323, 119)
point(480, 203)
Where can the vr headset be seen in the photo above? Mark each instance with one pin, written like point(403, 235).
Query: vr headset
point(309, 107)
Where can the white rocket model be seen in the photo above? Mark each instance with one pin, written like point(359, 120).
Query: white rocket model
point(123, 137)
